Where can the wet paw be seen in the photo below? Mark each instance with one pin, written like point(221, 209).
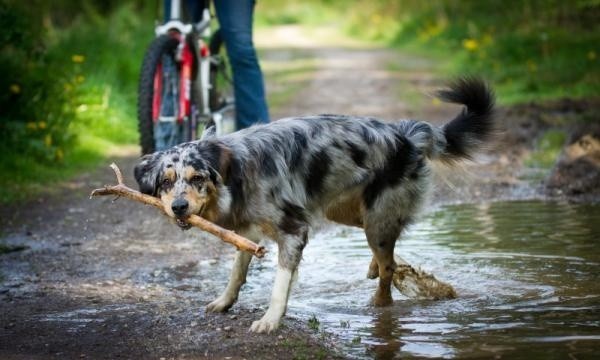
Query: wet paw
point(221, 304)
point(265, 325)
point(373, 272)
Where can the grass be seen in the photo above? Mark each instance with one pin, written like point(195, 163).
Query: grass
point(547, 150)
point(96, 60)
point(545, 58)
point(277, 12)
point(313, 323)
point(531, 51)
point(301, 349)
point(286, 79)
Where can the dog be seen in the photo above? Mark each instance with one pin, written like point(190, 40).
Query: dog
point(275, 180)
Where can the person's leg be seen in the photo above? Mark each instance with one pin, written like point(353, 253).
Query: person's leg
point(194, 9)
point(235, 20)
point(167, 10)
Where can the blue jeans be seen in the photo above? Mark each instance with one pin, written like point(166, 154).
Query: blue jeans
point(235, 20)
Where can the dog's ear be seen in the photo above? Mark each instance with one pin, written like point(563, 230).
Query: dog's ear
point(146, 174)
point(209, 132)
point(218, 157)
point(215, 177)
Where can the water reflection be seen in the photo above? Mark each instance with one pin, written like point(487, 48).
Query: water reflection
point(526, 274)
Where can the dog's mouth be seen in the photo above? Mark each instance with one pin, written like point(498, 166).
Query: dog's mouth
point(183, 224)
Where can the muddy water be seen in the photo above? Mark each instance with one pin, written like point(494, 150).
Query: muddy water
point(527, 274)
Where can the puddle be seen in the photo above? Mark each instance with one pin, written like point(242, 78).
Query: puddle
point(79, 319)
point(526, 274)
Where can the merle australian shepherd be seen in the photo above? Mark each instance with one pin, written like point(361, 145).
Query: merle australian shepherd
point(272, 181)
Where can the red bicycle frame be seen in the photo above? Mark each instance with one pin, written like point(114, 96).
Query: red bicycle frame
point(185, 62)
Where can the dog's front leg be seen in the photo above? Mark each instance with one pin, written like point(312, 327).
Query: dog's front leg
point(236, 280)
point(279, 297)
point(290, 253)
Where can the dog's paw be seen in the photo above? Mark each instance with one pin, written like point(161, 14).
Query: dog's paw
point(373, 272)
point(221, 304)
point(266, 324)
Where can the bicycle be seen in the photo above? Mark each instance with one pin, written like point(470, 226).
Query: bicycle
point(185, 83)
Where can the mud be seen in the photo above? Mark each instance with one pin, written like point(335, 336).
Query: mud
point(98, 279)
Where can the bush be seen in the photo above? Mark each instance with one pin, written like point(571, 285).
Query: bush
point(36, 108)
point(68, 88)
point(531, 49)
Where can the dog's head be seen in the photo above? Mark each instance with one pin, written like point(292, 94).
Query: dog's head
point(186, 178)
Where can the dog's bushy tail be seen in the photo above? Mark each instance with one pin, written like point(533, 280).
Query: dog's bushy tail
point(467, 132)
point(474, 125)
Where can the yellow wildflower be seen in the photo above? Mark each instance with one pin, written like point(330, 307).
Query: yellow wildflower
point(531, 66)
point(487, 39)
point(42, 124)
point(80, 78)
point(31, 125)
point(58, 154)
point(376, 18)
point(470, 44)
point(591, 55)
point(48, 140)
point(78, 58)
point(15, 88)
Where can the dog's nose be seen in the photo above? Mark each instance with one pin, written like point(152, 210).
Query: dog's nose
point(179, 207)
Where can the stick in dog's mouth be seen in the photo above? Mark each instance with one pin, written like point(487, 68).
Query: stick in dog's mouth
point(183, 224)
point(182, 221)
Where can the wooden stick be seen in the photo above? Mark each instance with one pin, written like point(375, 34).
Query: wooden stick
point(228, 236)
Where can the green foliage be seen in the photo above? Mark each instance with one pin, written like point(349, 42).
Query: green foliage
point(69, 85)
point(35, 109)
point(313, 323)
point(277, 12)
point(530, 49)
point(547, 149)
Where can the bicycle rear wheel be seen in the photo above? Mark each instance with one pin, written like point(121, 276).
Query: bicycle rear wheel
point(155, 134)
point(221, 99)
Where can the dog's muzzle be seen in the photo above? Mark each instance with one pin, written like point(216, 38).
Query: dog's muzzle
point(180, 208)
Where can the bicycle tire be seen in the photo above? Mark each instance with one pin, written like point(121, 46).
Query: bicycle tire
point(159, 46)
point(216, 94)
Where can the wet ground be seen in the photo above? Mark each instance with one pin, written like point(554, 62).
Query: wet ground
point(106, 280)
point(525, 271)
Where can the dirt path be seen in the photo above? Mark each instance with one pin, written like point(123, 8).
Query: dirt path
point(104, 280)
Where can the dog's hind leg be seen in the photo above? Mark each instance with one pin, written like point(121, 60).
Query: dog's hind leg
point(290, 253)
point(236, 280)
point(382, 240)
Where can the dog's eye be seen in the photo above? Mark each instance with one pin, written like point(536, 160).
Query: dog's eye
point(166, 182)
point(197, 178)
